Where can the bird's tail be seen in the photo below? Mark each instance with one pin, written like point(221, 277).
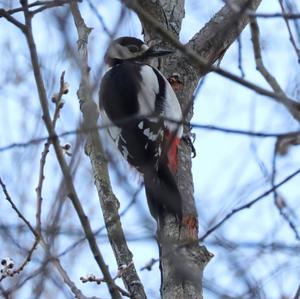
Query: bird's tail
point(162, 193)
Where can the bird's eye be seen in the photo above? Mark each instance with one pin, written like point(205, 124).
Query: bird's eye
point(133, 48)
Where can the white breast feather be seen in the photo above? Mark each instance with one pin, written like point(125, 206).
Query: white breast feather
point(172, 109)
point(148, 90)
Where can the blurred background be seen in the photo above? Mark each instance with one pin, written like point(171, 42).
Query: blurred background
point(256, 251)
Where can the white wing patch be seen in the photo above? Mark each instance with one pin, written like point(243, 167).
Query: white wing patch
point(172, 111)
point(147, 96)
point(150, 135)
point(141, 125)
point(148, 90)
point(125, 152)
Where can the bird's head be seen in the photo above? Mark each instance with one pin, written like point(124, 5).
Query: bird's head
point(131, 49)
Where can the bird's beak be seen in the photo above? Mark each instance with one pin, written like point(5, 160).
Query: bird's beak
point(157, 52)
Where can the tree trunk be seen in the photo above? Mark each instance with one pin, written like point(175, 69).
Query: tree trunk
point(182, 258)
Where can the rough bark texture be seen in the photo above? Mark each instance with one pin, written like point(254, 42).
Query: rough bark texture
point(109, 203)
point(221, 31)
point(110, 206)
point(182, 266)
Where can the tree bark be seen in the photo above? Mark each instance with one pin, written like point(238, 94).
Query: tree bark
point(182, 266)
point(108, 201)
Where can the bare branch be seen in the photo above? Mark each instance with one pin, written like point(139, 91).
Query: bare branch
point(291, 16)
point(109, 203)
point(39, 239)
point(292, 137)
point(279, 200)
point(58, 106)
point(221, 31)
point(240, 58)
point(8, 198)
point(12, 20)
point(99, 230)
point(292, 40)
point(282, 207)
point(249, 204)
point(205, 66)
point(121, 271)
point(60, 157)
point(99, 17)
point(44, 5)
point(27, 259)
point(266, 74)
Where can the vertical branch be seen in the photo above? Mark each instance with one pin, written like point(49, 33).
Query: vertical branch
point(292, 40)
point(39, 239)
point(60, 156)
point(240, 57)
point(271, 80)
point(279, 201)
point(109, 203)
point(58, 105)
point(181, 267)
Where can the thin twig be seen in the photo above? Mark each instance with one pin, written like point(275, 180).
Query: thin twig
point(46, 4)
point(35, 141)
point(60, 156)
point(12, 20)
point(240, 57)
point(39, 239)
point(249, 204)
point(206, 67)
point(108, 201)
point(15, 208)
point(100, 19)
point(120, 273)
point(279, 201)
point(290, 249)
point(282, 207)
point(20, 215)
point(292, 40)
point(150, 264)
point(58, 107)
point(291, 7)
point(265, 73)
point(39, 187)
point(27, 259)
point(291, 16)
point(99, 230)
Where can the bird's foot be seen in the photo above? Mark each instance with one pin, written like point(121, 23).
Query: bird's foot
point(189, 140)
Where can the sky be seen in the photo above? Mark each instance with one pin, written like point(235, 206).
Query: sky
point(228, 170)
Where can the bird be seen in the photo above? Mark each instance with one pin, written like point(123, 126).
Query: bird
point(144, 119)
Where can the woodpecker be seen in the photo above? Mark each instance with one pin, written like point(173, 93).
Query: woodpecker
point(144, 120)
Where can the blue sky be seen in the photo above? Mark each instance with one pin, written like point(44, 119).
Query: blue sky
point(227, 170)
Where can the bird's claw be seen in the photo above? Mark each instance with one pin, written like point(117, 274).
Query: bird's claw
point(189, 139)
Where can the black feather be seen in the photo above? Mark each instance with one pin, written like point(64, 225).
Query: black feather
point(162, 192)
point(119, 91)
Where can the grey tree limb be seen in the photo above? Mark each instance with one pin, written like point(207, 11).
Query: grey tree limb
point(58, 151)
point(191, 66)
point(222, 30)
point(182, 267)
point(108, 201)
point(40, 240)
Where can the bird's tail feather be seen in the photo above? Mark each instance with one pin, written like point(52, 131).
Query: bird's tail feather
point(162, 193)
